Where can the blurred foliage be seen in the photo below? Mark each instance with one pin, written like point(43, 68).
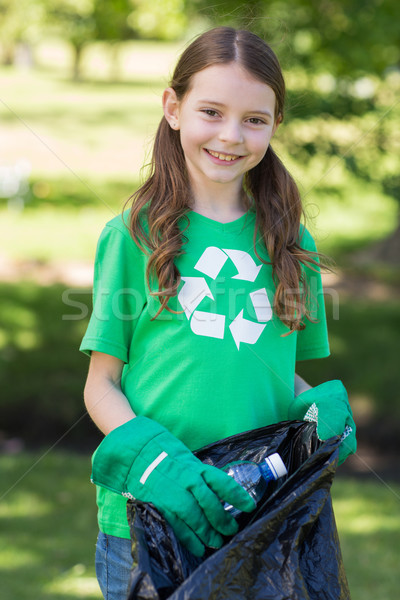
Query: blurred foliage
point(363, 337)
point(340, 139)
point(81, 22)
point(345, 38)
point(42, 373)
point(21, 21)
point(342, 37)
point(48, 527)
point(160, 19)
point(44, 399)
point(337, 130)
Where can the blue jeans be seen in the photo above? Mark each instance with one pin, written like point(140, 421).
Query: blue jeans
point(113, 566)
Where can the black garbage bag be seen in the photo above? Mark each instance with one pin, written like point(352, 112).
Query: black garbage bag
point(288, 548)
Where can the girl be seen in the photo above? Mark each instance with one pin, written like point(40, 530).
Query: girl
point(206, 292)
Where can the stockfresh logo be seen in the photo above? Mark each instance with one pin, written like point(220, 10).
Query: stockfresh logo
point(211, 324)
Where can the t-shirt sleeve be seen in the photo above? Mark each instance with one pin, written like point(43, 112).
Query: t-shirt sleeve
point(312, 342)
point(118, 294)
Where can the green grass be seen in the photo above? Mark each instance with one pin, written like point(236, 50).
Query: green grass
point(63, 217)
point(48, 530)
point(63, 224)
point(368, 521)
point(85, 144)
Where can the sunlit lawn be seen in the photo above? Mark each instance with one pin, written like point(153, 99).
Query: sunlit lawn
point(48, 530)
point(368, 521)
point(85, 144)
point(95, 126)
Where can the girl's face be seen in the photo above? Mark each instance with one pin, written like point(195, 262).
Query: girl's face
point(226, 121)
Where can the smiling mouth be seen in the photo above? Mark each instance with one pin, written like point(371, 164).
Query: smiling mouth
point(224, 157)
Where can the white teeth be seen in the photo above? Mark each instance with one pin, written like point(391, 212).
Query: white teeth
point(227, 157)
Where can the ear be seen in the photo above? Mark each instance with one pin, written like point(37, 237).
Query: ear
point(278, 121)
point(171, 104)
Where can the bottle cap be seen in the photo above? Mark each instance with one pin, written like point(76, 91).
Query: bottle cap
point(276, 465)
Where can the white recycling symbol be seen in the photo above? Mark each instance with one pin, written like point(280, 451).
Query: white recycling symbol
point(195, 289)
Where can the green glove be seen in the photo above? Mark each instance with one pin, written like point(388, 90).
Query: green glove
point(143, 460)
point(328, 405)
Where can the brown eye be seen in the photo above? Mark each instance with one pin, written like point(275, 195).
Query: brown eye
point(256, 121)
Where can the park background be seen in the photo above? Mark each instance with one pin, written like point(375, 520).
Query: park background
point(80, 86)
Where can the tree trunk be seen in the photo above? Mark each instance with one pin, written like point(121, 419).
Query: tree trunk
point(385, 251)
point(388, 250)
point(115, 74)
point(76, 74)
point(8, 54)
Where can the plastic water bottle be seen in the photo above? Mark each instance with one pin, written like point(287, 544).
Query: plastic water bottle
point(254, 477)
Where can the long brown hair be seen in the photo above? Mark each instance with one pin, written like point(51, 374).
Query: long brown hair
point(160, 204)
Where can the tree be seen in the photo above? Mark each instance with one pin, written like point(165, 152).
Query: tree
point(20, 22)
point(345, 37)
point(160, 19)
point(72, 20)
point(81, 22)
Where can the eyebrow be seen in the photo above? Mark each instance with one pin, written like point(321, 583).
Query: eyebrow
point(216, 103)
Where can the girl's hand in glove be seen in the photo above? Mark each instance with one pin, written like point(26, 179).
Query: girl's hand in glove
point(328, 405)
point(143, 460)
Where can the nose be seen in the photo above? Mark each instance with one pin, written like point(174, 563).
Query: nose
point(231, 132)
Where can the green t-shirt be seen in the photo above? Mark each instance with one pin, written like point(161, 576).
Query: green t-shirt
point(222, 364)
